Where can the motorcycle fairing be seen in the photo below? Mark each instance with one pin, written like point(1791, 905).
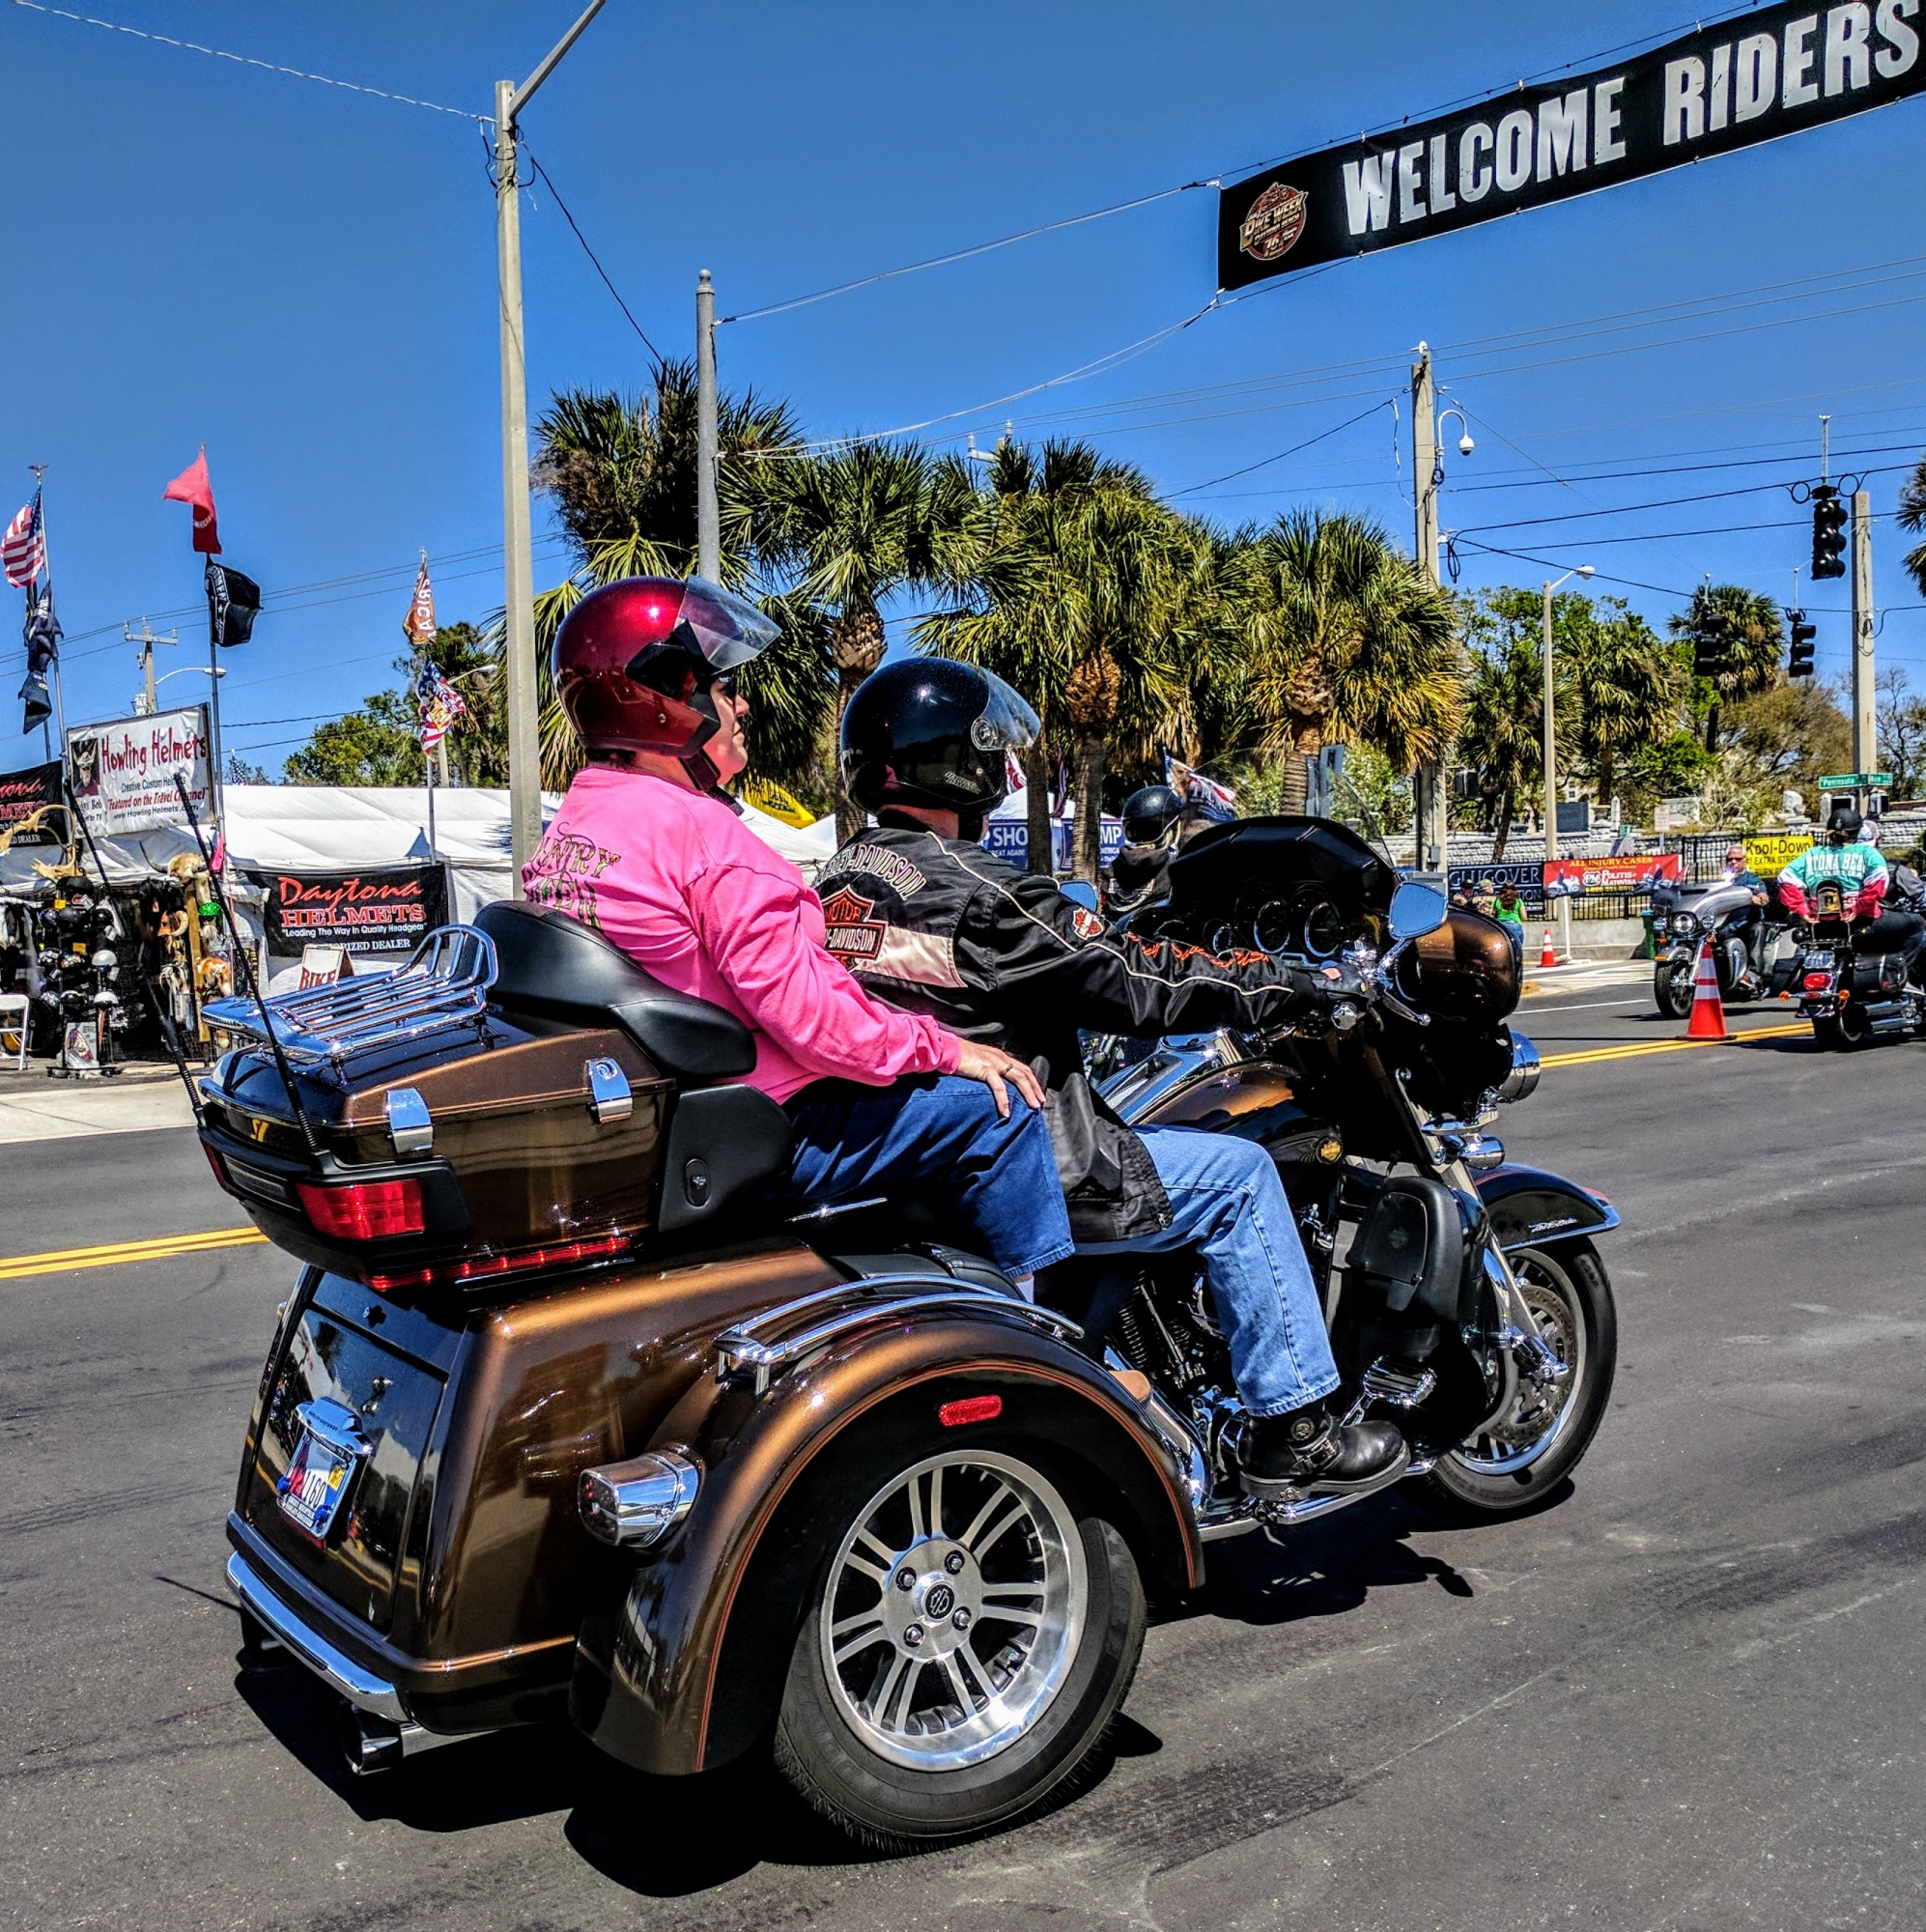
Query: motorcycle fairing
point(1530, 1205)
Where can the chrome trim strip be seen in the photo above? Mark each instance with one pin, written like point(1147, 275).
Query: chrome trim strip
point(346, 1678)
point(411, 1125)
point(608, 1096)
point(736, 1350)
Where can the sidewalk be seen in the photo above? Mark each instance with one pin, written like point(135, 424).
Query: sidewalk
point(140, 1100)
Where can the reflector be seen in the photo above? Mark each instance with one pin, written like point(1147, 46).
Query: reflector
point(364, 1210)
point(971, 1408)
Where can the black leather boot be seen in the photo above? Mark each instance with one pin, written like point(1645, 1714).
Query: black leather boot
point(1309, 1452)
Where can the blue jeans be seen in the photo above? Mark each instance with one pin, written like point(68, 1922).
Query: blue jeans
point(1228, 1202)
point(940, 1129)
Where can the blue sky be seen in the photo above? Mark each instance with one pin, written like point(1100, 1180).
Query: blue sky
point(302, 278)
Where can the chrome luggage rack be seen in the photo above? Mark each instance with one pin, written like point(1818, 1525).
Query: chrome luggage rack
point(445, 982)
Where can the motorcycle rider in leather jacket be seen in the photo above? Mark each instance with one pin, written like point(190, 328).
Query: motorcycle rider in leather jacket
point(930, 920)
point(1153, 824)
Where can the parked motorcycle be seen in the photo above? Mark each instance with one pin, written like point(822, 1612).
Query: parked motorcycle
point(1851, 996)
point(1686, 914)
point(569, 1415)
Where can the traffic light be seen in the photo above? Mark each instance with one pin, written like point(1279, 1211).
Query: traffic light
point(1799, 656)
point(1708, 657)
point(1829, 532)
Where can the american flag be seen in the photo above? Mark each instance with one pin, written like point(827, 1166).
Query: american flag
point(440, 705)
point(23, 549)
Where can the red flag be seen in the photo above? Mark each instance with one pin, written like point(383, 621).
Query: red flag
point(192, 486)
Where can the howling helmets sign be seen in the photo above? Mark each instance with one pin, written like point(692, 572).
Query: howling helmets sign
point(1761, 74)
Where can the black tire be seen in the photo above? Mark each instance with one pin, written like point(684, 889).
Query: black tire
point(1509, 1471)
point(831, 1746)
point(1827, 1037)
point(1854, 1029)
point(1672, 988)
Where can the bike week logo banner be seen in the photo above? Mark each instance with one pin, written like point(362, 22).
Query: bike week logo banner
point(24, 793)
point(1772, 71)
point(123, 772)
point(1772, 853)
point(363, 911)
point(1569, 878)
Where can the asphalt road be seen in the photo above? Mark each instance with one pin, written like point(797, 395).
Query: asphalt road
point(1689, 1695)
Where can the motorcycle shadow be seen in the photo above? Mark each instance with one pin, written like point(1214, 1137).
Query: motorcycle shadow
point(727, 1822)
point(1329, 1568)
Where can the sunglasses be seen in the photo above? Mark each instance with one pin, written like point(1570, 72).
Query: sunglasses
point(723, 687)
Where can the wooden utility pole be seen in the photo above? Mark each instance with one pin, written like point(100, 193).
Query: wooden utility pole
point(1866, 730)
point(1428, 783)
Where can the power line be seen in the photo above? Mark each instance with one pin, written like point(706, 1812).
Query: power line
point(594, 259)
point(248, 60)
point(1322, 436)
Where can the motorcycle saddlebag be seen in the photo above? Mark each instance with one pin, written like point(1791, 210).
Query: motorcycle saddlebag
point(1410, 1248)
point(1878, 973)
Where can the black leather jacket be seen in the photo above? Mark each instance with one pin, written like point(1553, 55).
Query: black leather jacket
point(942, 928)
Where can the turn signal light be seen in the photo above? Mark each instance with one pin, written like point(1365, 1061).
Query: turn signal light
point(524, 1260)
point(971, 1409)
point(365, 1211)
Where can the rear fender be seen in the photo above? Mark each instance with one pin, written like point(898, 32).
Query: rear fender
point(688, 1670)
point(1529, 1207)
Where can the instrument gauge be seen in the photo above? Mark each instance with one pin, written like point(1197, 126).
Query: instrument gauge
point(1324, 929)
point(1223, 937)
point(1272, 928)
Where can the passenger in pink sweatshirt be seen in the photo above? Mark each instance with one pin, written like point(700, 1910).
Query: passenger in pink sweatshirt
point(649, 850)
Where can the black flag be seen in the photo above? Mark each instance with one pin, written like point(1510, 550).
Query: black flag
point(234, 601)
point(42, 638)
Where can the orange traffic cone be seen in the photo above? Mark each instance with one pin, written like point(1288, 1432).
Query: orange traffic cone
point(1707, 1015)
point(1546, 955)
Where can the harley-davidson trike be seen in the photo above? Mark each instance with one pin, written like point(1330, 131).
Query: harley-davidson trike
point(567, 1418)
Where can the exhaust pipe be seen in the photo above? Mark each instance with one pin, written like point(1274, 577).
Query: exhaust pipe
point(371, 1743)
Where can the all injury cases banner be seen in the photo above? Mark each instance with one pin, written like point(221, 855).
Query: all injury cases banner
point(1762, 74)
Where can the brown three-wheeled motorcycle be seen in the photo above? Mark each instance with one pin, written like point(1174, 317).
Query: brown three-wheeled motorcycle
point(573, 1414)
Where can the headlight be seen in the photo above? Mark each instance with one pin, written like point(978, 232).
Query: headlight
point(1683, 923)
point(1521, 1081)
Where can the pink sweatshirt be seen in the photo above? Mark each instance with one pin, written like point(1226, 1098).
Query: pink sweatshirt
point(693, 897)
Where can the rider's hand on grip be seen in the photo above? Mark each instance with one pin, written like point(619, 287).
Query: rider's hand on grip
point(993, 1066)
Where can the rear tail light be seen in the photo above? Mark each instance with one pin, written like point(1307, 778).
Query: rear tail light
point(219, 1167)
point(1817, 982)
point(487, 1267)
point(365, 1211)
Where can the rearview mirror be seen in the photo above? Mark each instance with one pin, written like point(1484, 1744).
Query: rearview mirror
point(1080, 892)
point(1416, 910)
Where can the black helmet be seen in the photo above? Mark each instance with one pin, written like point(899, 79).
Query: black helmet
point(1844, 826)
point(932, 732)
point(1150, 815)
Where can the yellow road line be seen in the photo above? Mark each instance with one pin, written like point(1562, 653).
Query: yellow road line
point(64, 1261)
point(1641, 1047)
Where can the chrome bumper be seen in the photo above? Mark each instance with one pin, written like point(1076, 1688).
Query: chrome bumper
point(358, 1688)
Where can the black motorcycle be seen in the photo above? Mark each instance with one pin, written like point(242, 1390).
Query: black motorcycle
point(1743, 950)
point(1853, 994)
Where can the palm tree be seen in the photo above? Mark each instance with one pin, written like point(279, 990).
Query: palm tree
point(1501, 737)
point(1345, 637)
point(1913, 517)
point(622, 472)
point(1628, 687)
point(1739, 627)
point(1068, 578)
point(847, 528)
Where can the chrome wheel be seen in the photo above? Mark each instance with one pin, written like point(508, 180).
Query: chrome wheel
point(953, 1611)
point(1536, 1417)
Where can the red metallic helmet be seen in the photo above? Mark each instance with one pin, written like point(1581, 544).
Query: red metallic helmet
point(635, 661)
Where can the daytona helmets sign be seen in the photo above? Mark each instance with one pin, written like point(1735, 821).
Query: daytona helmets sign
point(1772, 71)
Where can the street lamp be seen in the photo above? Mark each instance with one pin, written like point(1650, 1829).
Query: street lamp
point(525, 751)
point(1551, 767)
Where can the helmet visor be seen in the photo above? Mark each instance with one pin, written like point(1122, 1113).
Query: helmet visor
point(1006, 723)
point(729, 631)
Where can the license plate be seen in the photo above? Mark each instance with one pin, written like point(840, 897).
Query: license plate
point(317, 1483)
point(1817, 960)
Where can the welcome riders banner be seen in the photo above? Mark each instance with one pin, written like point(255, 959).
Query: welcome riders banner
point(1762, 74)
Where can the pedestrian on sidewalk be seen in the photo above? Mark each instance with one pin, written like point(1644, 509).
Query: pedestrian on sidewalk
point(1508, 910)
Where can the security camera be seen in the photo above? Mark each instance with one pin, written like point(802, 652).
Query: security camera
point(1465, 445)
